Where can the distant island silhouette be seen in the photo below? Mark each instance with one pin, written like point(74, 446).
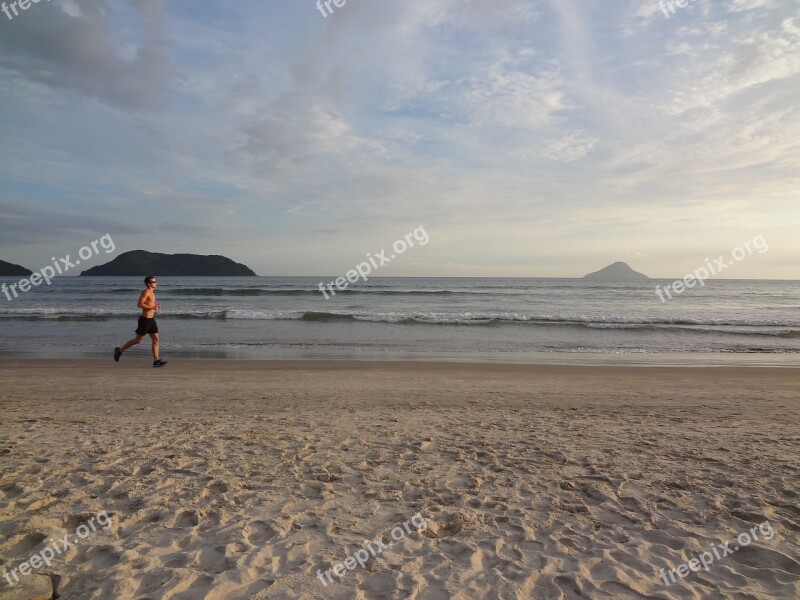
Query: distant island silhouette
point(8, 269)
point(618, 270)
point(142, 263)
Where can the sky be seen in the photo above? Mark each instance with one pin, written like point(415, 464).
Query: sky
point(527, 137)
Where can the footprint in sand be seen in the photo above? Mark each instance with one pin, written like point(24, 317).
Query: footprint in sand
point(103, 557)
point(258, 532)
point(758, 557)
point(144, 470)
point(178, 560)
point(186, 518)
point(327, 478)
point(72, 522)
point(568, 586)
point(11, 490)
point(214, 561)
point(313, 491)
point(632, 504)
point(217, 487)
point(27, 543)
point(445, 525)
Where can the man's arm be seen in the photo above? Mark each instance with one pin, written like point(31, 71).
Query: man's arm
point(144, 297)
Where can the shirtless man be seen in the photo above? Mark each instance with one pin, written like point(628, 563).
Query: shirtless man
point(147, 322)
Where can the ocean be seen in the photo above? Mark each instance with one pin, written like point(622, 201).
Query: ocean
point(533, 320)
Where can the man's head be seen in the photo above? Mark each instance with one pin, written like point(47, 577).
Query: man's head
point(150, 281)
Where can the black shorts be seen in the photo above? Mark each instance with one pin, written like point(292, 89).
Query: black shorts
point(146, 326)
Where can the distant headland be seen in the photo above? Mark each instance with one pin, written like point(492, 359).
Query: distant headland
point(618, 270)
point(143, 263)
point(8, 269)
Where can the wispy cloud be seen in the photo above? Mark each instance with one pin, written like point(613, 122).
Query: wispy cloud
point(523, 132)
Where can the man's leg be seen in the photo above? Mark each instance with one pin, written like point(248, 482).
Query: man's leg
point(154, 337)
point(137, 340)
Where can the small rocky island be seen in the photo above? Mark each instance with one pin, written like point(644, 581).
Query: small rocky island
point(8, 269)
point(143, 263)
point(619, 270)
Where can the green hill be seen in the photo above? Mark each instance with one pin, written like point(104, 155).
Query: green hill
point(8, 269)
point(143, 263)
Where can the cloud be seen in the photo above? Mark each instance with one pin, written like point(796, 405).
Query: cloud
point(292, 132)
point(27, 225)
point(570, 147)
point(505, 126)
point(83, 49)
point(759, 58)
point(511, 97)
point(743, 5)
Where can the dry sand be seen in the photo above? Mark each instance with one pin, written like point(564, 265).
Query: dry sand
point(240, 480)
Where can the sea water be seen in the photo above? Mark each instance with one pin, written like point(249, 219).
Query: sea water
point(485, 319)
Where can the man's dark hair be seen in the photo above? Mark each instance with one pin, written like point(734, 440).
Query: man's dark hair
point(148, 279)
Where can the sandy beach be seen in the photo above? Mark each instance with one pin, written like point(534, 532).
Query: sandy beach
point(240, 480)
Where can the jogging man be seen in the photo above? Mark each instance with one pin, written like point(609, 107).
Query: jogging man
point(147, 322)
